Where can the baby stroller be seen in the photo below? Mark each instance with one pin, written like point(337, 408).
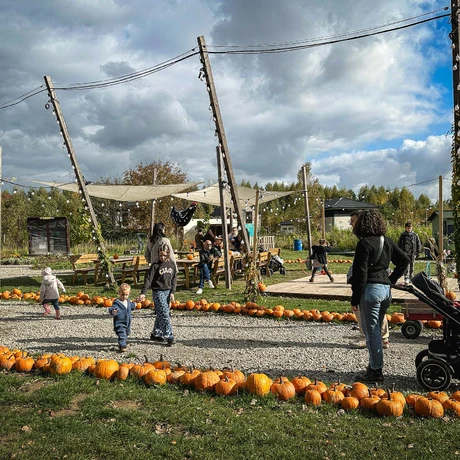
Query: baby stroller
point(277, 263)
point(437, 365)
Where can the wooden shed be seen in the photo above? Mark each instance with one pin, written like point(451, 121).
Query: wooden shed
point(48, 235)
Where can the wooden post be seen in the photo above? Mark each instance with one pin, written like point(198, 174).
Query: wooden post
point(152, 207)
point(441, 222)
point(323, 218)
point(1, 190)
point(307, 208)
point(256, 225)
point(223, 214)
point(80, 180)
point(206, 69)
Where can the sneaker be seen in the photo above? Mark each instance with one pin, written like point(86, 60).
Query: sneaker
point(57, 317)
point(210, 284)
point(332, 280)
point(121, 350)
point(170, 342)
point(371, 375)
point(155, 338)
point(358, 344)
point(200, 291)
point(385, 344)
point(311, 280)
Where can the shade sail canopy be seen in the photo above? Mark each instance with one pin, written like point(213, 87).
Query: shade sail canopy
point(125, 192)
point(247, 196)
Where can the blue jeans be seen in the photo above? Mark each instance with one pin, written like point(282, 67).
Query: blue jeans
point(54, 302)
point(204, 275)
point(374, 303)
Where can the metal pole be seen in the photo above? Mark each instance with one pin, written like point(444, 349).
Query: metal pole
point(223, 213)
point(80, 179)
point(307, 208)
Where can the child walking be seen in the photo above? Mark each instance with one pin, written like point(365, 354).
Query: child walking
point(319, 259)
point(121, 310)
point(161, 278)
point(49, 292)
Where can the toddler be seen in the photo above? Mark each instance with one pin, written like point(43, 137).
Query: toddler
point(49, 292)
point(121, 310)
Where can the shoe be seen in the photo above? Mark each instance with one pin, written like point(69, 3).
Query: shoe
point(332, 280)
point(385, 344)
point(200, 291)
point(57, 317)
point(358, 344)
point(155, 338)
point(371, 375)
point(121, 350)
point(211, 285)
point(170, 342)
point(311, 280)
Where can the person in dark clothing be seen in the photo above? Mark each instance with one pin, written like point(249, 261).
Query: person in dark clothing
point(207, 256)
point(199, 239)
point(161, 278)
point(370, 284)
point(319, 259)
point(121, 310)
point(209, 236)
point(410, 243)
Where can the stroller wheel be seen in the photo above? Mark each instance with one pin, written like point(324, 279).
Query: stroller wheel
point(411, 329)
point(434, 374)
point(420, 357)
point(282, 271)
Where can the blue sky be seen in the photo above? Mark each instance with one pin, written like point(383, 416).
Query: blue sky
point(373, 111)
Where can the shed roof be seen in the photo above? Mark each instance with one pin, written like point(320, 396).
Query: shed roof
point(347, 204)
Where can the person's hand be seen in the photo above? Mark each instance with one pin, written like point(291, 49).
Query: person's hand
point(140, 298)
point(171, 297)
point(355, 308)
point(115, 312)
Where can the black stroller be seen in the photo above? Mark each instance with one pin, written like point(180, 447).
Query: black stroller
point(277, 263)
point(437, 365)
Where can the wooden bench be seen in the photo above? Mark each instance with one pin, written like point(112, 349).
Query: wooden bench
point(128, 270)
point(142, 268)
point(275, 252)
point(83, 265)
point(218, 269)
point(263, 261)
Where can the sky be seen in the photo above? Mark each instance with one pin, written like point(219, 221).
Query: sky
point(372, 111)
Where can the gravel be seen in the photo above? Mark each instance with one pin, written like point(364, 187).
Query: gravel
point(213, 340)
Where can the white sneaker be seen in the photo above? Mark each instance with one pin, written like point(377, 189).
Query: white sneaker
point(210, 284)
point(200, 291)
point(358, 344)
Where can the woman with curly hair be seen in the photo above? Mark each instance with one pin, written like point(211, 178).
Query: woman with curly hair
point(371, 282)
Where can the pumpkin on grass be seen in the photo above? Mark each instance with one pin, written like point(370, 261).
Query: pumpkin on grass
point(388, 407)
point(283, 389)
point(106, 369)
point(428, 407)
point(206, 381)
point(312, 397)
point(258, 384)
point(226, 387)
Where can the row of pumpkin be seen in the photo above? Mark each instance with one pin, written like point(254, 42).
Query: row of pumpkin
point(230, 381)
point(249, 308)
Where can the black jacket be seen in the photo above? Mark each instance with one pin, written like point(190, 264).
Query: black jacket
point(319, 252)
point(207, 256)
point(367, 272)
point(410, 243)
point(161, 277)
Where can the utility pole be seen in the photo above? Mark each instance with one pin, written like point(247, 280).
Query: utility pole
point(454, 36)
point(223, 214)
point(441, 222)
point(207, 73)
point(152, 207)
point(307, 207)
point(80, 180)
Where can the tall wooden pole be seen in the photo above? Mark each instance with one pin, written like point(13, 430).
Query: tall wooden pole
point(206, 70)
point(256, 228)
point(152, 207)
point(307, 208)
point(1, 190)
point(80, 179)
point(223, 214)
point(323, 218)
point(441, 221)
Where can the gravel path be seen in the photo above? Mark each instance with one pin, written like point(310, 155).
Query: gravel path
point(214, 340)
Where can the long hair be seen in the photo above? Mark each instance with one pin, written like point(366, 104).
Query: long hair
point(158, 232)
point(163, 248)
point(370, 223)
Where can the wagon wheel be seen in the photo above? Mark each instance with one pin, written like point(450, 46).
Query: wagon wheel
point(411, 329)
point(420, 357)
point(434, 374)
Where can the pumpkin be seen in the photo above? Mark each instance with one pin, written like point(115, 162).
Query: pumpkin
point(188, 379)
point(333, 396)
point(175, 375)
point(453, 406)
point(312, 397)
point(369, 402)
point(226, 387)
point(189, 256)
point(106, 369)
point(359, 390)
point(24, 364)
point(300, 384)
point(82, 364)
point(262, 287)
point(139, 370)
point(123, 371)
point(389, 408)
point(115, 256)
point(449, 294)
point(206, 381)
point(7, 361)
point(60, 365)
point(349, 403)
point(235, 375)
point(258, 384)
point(155, 377)
point(283, 389)
point(412, 398)
point(317, 385)
point(440, 396)
point(456, 395)
point(428, 407)
point(160, 364)
point(398, 318)
point(434, 324)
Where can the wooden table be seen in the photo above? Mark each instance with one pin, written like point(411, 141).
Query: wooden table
point(183, 253)
point(187, 264)
point(98, 272)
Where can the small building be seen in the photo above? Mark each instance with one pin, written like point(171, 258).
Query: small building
point(337, 212)
point(48, 235)
point(447, 227)
point(287, 227)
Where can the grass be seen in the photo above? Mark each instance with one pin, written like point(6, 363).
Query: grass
point(77, 417)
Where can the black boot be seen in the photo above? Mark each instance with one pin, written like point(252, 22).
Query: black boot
point(371, 375)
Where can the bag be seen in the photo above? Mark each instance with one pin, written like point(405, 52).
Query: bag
point(309, 264)
point(376, 259)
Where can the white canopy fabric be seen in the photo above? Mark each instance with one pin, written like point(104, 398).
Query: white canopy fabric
point(247, 196)
point(125, 192)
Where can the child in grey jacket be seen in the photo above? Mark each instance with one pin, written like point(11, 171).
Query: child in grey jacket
point(49, 292)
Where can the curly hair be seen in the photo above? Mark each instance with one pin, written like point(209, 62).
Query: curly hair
point(370, 223)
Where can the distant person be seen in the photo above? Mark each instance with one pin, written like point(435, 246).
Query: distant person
point(161, 278)
point(361, 343)
point(370, 284)
point(209, 236)
point(319, 259)
point(234, 240)
point(199, 239)
point(157, 239)
point(49, 293)
point(121, 310)
point(208, 254)
point(410, 244)
point(140, 242)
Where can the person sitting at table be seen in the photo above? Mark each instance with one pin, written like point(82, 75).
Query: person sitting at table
point(234, 240)
point(157, 239)
point(208, 254)
point(219, 244)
